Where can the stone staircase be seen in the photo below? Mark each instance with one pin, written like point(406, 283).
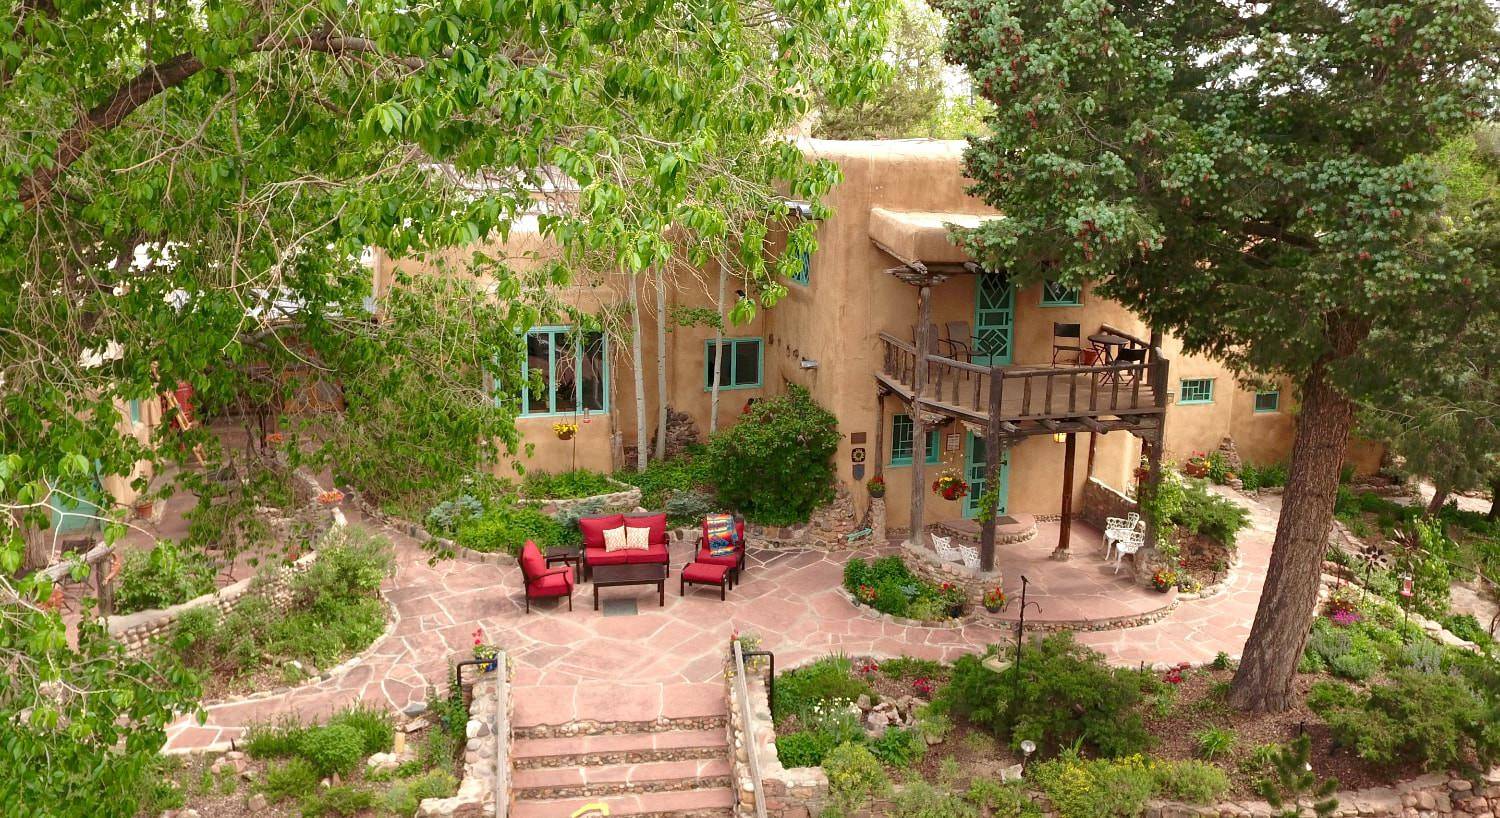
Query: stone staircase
point(670, 765)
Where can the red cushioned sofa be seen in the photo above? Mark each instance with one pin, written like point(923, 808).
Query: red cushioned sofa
point(593, 529)
point(543, 582)
point(734, 562)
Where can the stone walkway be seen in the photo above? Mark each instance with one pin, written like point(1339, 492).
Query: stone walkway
point(666, 662)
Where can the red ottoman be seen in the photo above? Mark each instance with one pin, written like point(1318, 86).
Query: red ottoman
point(704, 573)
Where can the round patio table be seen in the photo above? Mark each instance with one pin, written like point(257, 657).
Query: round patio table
point(1108, 344)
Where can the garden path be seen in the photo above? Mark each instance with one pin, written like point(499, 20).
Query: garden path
point(665, 662)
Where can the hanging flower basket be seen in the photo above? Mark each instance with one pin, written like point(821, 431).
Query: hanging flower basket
point(565, 431)
point(994, 600)
point(951, 486)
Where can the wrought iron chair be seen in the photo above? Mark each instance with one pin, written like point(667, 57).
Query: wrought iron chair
point(1129, 356)
point(1129, 543)
point(1116, 527)
point(961, 341)
point(1067, 340)
point(944, 548)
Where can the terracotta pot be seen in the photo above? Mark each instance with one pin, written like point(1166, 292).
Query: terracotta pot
point(143, 510)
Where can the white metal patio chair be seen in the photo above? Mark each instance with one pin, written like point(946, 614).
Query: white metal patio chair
point(1128, 543)
point(970, 556)
point(1115, 527)
point(944, 548)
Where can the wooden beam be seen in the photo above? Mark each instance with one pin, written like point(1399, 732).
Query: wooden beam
point(1008, 427)
point(992, 459)
point(1050, 425)
point(919, 425)
point(1065, 525)
point(1094, 426)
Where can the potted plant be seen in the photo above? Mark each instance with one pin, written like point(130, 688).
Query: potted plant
point(1196, 466)
point(953, 599)
point(876, 486)
point(485, 652)
point(951, 486)
point(994, 600)
point(565, 431)
point(143, 509)
point(1164, 579)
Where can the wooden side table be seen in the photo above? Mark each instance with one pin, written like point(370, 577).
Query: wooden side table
point(564, 556)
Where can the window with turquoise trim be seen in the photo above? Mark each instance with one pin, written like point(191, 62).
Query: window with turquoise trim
point(1057, 294)
point(135, 411)
point(739, 361)
point(1196, 390)
point(567, 371)
point(903, 443)
point(804, 274)
point(1268, 401)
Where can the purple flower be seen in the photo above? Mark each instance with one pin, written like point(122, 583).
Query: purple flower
point(1345, 618)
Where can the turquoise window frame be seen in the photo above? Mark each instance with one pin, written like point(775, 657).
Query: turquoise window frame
point(1060, 295)
point(733, 344)
point(563, 332)
point(804, 276)
point(1202, 390)
point(1274, 395)
point(134, 407)
point(903, 429)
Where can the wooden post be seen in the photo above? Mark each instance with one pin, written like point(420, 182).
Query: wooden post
point(879, 432)
point(1153, 445)
point(992, 457)
point(918, 425)
point(1093, 442)
point(1065, 525)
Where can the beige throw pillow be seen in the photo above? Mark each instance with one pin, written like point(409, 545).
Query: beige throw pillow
point(638, 539)
point(614, 539)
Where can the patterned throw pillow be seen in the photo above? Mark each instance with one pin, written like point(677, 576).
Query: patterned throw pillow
point(614, 539)
point(721, 534)
point(637, 539)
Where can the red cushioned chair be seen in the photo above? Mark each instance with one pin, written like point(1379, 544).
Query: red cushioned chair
point(593, 529)
point(543, 582)
point(734, 562)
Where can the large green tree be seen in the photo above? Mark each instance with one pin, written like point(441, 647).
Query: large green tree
point(1250, 177)
point(186, 189)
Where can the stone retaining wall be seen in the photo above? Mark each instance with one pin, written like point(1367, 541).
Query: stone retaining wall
point(1101, 500)
point(800, 792)
point(137, 631)
point(627, 499)
point(488, 732)
point(829, 528)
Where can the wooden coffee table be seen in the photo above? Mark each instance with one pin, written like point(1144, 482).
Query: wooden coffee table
point(610, 576)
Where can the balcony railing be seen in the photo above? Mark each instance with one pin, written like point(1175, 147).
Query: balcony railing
point(1024, 393)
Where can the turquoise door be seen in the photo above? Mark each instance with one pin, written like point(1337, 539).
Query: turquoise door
point(994, 318)
point(974, 467)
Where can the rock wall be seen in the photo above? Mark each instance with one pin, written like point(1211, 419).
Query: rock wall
point(1101, 500)
point(488, 733)
point(800, 792)
point(829, 528)
point(627, 499)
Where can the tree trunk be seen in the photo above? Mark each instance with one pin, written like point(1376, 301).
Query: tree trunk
point(661, 365)
point(713, 388)
point(642, 443)
point(1494, 499)
point(1439, 499)
point(1264, 679)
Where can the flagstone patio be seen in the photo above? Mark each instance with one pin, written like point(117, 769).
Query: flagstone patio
point(667, 661)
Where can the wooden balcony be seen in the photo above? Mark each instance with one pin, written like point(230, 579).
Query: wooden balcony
point(1027, 400)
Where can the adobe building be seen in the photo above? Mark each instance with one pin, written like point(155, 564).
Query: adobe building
point(849, 330)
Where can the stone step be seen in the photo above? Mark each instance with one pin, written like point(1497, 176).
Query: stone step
point(552, 710)
point(618, 748)
point(603, 728)
point(621, 779)
point(716, 802)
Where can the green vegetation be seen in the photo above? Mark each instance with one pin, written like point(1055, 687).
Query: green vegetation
point(1065, 695)
point(167, 574)
point(687, 472)
point(333, 610)
point(505, 529)
point(828, 679)
point(775, 465)
point(889, 586)
point(568, 485)
point(1436, 720)
point(854, 775)
point(1111, 788)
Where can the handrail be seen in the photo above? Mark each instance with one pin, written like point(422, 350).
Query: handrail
point(1114, 330)
point(742, 695)
point(502, 737)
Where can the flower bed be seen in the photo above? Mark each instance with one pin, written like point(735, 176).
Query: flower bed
point(889, 586)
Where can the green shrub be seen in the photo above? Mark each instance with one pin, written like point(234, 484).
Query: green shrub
point(854, 775)
point(898, 591)
point(686, 472)
point(1325, 696)
point(804, 748)
point(918, 799)
point(776, 464)
point(1466, 626)
point(1352, 652)
point(404, 797)
point(166, 575)
point(899, 748)
point(1213, 742)
point(1065, 695)
point(278, 739)
point(891, 599)
point(687, 507)
point(1002, 800)
point(1434, 720)
point(506, 528)
point(1095, 788)
point(907, 667)
point(1190, 781)
point(829, 678)
point(331, 749)
point(447, 516)
point(569, 485)
point(293, 778)
point(351, 564)
point(342, 801)
point(1206, 513)
point(375, 728)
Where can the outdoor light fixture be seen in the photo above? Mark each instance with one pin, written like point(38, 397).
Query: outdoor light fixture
point(1027, 748)
point(808, 363)
point(1406, 584)
point(1058, 437)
